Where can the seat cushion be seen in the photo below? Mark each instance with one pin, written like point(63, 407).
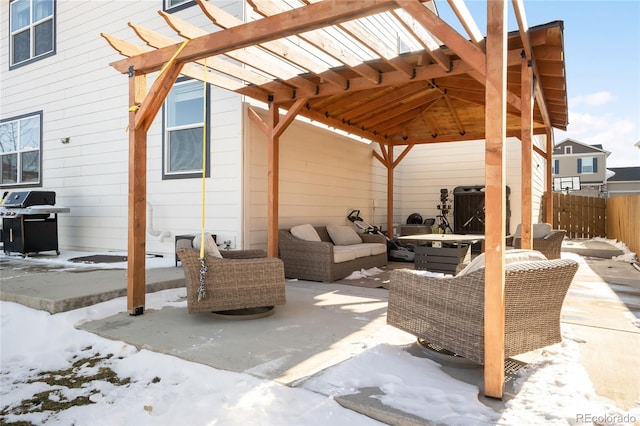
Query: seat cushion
point(305, 232)
point(375, 248)
point(343, 235)
point(343, 254)
point(510, 256)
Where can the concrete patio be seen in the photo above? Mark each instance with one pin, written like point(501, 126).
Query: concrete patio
point(324, 324)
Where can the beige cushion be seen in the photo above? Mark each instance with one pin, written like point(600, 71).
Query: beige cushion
point(210, 247)
point(343, 254)
point(538, 230)
point(305, 232)
point(343, 235)
point(360, 250)
point(510, 256)
point(375, 248)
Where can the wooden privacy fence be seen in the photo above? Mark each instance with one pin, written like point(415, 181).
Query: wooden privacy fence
point(588, 217)
point(623, 220)
point(581, 217)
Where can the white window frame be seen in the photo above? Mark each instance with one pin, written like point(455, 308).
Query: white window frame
point(586, 168)
point(196, 124)
point(183, 4)
point(568, 150)
point(34, 22)
point(13, 146)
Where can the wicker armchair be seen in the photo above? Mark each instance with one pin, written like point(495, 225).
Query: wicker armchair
point(550, 245)
point(449, 312)
point(242, 279)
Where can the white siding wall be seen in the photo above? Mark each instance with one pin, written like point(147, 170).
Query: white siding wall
point(323, 176)
point(428, 168)
point(85, 99)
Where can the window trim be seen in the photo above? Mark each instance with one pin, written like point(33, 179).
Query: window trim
point(594, 165)
point(187, 175)
point(40, 115)
point(33, 59)
point(568, 150)
point(555, 167)
point(181, 6)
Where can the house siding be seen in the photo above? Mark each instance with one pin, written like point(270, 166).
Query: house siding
point(323, 177)
point(85, 99)
point(428, 168)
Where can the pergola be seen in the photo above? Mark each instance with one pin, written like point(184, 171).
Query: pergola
point(332, 62)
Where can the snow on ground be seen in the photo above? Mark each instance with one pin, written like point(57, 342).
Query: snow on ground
point(157, 389)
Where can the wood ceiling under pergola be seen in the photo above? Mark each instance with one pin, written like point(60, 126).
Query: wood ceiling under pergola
point(330, 61)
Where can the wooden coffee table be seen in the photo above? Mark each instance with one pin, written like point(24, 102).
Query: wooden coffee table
point(442, 252)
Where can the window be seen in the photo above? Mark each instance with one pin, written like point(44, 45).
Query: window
point(183, 123)
point(174, 5)
point(588, 165)
point(32, 31)
point(568, 149)
point(555, 168)
point(20, 148)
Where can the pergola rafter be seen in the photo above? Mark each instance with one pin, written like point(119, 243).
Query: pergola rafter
point(507, 85)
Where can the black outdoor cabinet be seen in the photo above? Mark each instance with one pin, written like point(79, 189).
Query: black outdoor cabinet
point(28, 234)
point(468, 210)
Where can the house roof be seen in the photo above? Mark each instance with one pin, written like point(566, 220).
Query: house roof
point(435, 93)
point(595, 147)
point(624, 174)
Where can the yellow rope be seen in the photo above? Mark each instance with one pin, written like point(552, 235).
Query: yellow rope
point(175, 55)
point(204, 155)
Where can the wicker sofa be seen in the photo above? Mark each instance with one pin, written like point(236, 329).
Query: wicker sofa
point(239, 279)
point(325, 260)
point(449, 312)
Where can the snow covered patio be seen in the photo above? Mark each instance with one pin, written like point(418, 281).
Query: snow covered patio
point(329, 343)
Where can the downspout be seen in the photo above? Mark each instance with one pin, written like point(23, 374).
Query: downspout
point(154, 232)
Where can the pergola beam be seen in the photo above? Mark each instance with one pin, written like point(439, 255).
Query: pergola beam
point(314, 16)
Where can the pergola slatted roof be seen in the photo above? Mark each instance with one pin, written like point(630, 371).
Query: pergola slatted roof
point(322, 60)
point(437, 94)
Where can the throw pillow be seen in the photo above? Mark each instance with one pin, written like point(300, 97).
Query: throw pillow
point(210, 247)
point(305, 232)
point(510, 256)
point(343, 235)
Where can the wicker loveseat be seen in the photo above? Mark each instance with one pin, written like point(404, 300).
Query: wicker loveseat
point(326, 261)
point(449, 312)
point(241, 279)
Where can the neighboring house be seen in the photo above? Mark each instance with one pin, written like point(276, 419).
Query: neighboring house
point(573, 159)
point(63, 128)
point(625, 181)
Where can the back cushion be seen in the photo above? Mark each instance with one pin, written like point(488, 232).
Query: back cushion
point(343, 235)
point(210, 247)
point(510, 256)
point(538, 230)
point(305, 232)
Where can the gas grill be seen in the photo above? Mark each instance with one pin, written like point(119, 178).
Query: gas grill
point(30, 222)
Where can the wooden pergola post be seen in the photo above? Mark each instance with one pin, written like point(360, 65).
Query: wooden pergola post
point(137, 218)
point(548, 214)
point(495, 125)
point(526, 138)
point(273, 178)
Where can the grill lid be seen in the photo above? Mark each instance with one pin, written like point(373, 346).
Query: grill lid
point(29, 198)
